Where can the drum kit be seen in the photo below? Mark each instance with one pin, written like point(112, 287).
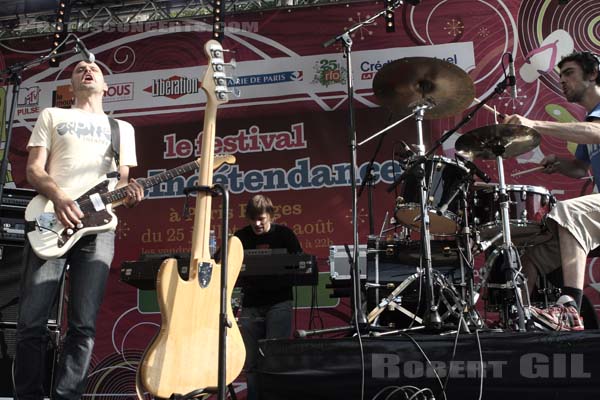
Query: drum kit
point(438, 197)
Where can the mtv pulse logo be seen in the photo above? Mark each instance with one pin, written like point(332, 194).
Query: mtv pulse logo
point(28, 101)
point(329, 72)
point(174, 87)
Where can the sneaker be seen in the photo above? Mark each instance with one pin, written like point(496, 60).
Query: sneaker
point(562, 316)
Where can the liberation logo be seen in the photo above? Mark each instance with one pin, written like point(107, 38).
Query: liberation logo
point(28, 102)
point(329, 72)
point(174, 87)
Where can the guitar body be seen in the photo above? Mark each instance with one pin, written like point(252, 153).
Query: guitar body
point(53, 241)
point(182, 357)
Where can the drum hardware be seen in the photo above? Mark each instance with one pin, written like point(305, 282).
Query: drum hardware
point(499, 141)
point(394, 300)
point(428, 88)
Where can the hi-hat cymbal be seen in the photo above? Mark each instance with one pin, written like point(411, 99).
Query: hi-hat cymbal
point(506, 140)
point(405, 83)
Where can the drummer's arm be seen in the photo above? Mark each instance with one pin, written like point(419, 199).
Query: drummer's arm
point(570, 167)
point(577, 132)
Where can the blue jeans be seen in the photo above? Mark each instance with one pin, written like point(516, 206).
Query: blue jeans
point(265, 322)
point(89, 262)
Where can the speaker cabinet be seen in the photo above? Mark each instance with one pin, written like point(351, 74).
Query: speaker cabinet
point(11, 267)
point(7, 355)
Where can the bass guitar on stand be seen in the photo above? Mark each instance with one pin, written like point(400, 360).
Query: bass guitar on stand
point(183, 356)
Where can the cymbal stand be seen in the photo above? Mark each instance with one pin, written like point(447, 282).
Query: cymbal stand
point(510, 257)
point(466, 284)
point(431, 318)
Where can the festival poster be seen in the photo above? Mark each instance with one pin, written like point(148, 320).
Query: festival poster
point(288, 129)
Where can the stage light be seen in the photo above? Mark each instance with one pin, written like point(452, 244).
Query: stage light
point(60, 30)
point(390, 26)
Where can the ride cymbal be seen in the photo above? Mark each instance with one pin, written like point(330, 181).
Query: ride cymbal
point(408, 82)
point(506, 140)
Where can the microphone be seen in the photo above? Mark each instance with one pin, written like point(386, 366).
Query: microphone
point(405, 151)
point(484, 245)
point(445, 206)
point(474, 168)
point(88, 56)
point(512, 78)
point(301, 333)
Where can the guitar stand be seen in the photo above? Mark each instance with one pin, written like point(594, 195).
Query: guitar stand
point(196, 394)
point(224, 323)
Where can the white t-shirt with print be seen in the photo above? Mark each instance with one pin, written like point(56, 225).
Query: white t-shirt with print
point(79, 146)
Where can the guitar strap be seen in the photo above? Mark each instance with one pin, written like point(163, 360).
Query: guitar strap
point(115, 138)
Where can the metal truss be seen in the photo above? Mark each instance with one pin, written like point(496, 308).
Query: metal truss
point(87, 14)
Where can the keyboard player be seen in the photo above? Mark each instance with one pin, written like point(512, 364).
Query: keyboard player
point(266, 311)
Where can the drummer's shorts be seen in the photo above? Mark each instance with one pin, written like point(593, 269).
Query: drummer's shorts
point(581, 217)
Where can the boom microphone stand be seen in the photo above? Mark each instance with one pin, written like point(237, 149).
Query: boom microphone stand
point(359, 316)
point(14, 73)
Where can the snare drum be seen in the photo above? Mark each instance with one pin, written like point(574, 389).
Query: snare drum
point(528, 206)
point(443, 178)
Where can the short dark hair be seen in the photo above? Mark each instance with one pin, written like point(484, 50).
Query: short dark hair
point(258, 205)
point(588, 61)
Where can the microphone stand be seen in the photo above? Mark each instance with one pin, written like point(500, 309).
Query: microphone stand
point(369, 180)
point(359, 317)
point(14, 77)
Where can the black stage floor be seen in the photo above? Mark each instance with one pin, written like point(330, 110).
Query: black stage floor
point(532, 365)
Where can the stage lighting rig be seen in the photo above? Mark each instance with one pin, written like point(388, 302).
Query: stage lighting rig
point(390, 26)
point(61, 28)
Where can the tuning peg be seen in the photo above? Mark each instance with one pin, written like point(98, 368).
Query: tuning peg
point(232, 63)
point(235, 91)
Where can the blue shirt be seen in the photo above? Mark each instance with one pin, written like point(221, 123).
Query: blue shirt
point(590, 153)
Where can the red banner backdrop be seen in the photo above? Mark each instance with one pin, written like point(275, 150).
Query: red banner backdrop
point(289, 127)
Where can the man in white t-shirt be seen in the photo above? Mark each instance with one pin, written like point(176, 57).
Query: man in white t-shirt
point(70, 151)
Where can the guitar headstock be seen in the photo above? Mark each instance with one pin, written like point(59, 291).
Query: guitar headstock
point(214, 82)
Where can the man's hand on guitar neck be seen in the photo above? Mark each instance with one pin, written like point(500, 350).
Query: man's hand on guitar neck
point(135, 194)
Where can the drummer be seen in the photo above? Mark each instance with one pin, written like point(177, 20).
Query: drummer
point(574, 223)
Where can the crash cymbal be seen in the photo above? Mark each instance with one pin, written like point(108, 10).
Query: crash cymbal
point(485, 142)
point(404, 83)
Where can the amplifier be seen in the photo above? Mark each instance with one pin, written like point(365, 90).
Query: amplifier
point(12, 230)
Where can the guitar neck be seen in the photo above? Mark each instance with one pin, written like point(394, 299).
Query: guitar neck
point(119, 194)
point(214, 85)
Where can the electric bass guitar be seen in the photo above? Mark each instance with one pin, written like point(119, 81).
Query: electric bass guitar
point(50, 239)
point(183, 356)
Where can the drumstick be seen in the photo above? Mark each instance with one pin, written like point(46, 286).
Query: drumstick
point(490, 108)
point(526, 171)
